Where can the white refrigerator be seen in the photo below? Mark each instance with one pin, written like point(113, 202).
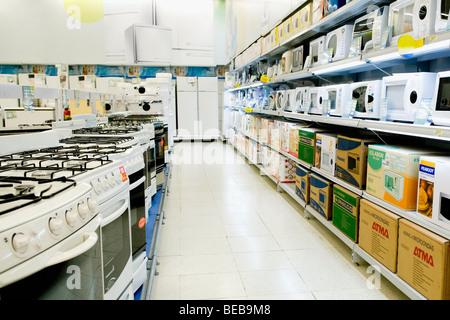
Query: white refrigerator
point(197, 108)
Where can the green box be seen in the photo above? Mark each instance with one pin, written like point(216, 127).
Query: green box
point(346, 211)
point(307, 144)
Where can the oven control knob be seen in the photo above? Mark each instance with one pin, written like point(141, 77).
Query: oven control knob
point(71, 217)
point(92, 205)
point(112, 180)
point(55, 225)
point(20, 242)
point(83, 210)
point(118, 176)
point(97, 186)
point(105, 183)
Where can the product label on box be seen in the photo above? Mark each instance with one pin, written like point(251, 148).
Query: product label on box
point(319, 198)
point(426, 188)
point(345, 208)
point(306, 146)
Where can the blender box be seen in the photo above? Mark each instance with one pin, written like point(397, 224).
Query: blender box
point(307, 144)
point(351, 160)
point(346, 211)
point(392, 174)
point(326, 152)
point(321, 195)
point(378, 233)
point(433, 194)
point(424, 260)
point(302, 183)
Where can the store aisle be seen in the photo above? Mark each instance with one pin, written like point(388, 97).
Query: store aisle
point(228, 234)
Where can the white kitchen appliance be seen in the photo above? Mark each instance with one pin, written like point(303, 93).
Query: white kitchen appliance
point(108, 84)
point(337, 95)
point(404, 93)
point(370, 28)
point(198, 107)
point(316, 48)
point(82, 82)
point(442, 15)
point(368, 98)
point(9, 79)
point(281, 99)
point(297, 59)
point(314, 97)
point(424, 17)
point(32, 79)
point(147, 99)
point(401, 19)
point(302, 99)
point(286, 61)
point(272, 101)
point(327, 151)
point(290, 101)
point(339, 41)
point(440, 112)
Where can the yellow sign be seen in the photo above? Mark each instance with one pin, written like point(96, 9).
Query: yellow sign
point(407, 44)
point(265, 78)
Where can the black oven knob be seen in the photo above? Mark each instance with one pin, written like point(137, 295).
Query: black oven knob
point(146, 106)
point(107, 106)
point(141, 90)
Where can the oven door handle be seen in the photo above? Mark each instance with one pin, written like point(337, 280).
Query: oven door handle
point(117, 213)
point(90, 239)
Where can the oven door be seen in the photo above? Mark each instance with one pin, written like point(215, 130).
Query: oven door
point(441, 112)
point(116, 245)
point(74, 270)
point(138, 215)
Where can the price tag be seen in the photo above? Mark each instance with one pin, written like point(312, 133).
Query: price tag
point(383, 109)
point(264, 78)
point(349, 110)
point(355, 47)
point(236, 85)
point(423, 114)
point(307, 64)
point(327, 55)
point(326, 108)
point(385, 37)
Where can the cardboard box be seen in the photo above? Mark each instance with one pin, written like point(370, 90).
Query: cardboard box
point(302, 183)
point(305, 16)
point(378, 233)
point(286, 170)
point(326, 144)
point(266, 125)
point(433, 195)
point(307, 144)
point(285, 135)
point(424, 260)
point(295, 22)
point(351, 160)
point(321, 195)
point(294, 138)
point(392, 174)
point(346, 211)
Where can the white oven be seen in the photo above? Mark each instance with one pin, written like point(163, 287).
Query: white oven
point(339, 41)
point(313, 98)
point(316, 48)
point(440, 113)
point(302, 99)
point(401, 16)
point(297, 59)
point(368, 98)
point(424, 17)
point(442, 13)
point(337, 95)
point(370, 28)
point(404, 93)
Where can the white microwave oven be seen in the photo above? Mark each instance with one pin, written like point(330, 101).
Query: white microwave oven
point(442, 13)
point(297, 58)
point(340, 40)
point(393, 184)
point(370, 28)
point(314, 97)
point(424, 17)
point(32, 79)
point(337, 94)
point(281, 99)
point(316, 48)
point(404, 92)
point(440, 113)
point(368, 97)
point(83, 82)
point(401, 16)
point(302, 99)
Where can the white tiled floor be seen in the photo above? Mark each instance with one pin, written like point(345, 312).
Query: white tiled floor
point(228, 234)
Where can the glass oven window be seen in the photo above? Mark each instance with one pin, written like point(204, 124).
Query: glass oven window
point(138, 221)
point(445, 8)
point(394, 98)
point(443, 98)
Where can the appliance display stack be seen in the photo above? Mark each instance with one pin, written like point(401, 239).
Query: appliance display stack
point(198, 108)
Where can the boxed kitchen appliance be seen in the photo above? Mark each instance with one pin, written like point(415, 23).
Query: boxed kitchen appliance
point(285, 128)
point(326, 144)
point(302, 183)
point(346, 211)
point(321, 195)
point(286, 170)
point(378, 233)
point(307, 144)
point(294, 138)
point(351, 160)
point(433, 195)
point(392, 174)
point(424, 260)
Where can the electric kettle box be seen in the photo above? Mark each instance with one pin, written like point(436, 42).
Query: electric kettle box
point(424, 260)
point(392, 174)
point(378, 233)
point(351, 160)
point(433, 195)
point(302, 183)
point(307, 144)
point(321, 195)
point(346, 211)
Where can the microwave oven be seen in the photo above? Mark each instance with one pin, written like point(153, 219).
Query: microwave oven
point(82, 82)
point(281, 99)
point(440, 113)
point(298, 55)
point(32, 79)
point(316, 48)
point(401, 16)
point(424, 17)
point(314, 97)
point(442, 13)
point(302, 99)
point(370, 28)
point(340, 40)
point(368, 97)
point(337, 94)
point(393, 184)
point(404, 92)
